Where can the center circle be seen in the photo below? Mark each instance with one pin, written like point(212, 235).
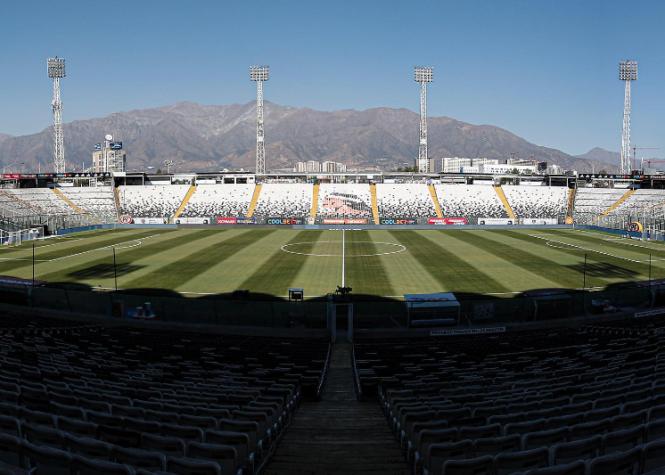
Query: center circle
point(308, 248)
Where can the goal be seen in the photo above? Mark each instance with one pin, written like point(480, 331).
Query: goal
point(16, 238)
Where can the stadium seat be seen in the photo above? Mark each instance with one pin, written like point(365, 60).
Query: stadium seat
point(619, 463)
point(573, 468)
point(186, 466)
point(86, 466)
point(511, 462)
point(48, 460)
point(474, 466)
point(653, 457)
point(139, 458)
point(11, 450)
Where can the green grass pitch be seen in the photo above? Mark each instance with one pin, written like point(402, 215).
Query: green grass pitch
point(378, 262)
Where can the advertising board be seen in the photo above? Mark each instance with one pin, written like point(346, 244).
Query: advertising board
point(286, 221)
point(397, 221)
point(448, 221)
point(496, 221)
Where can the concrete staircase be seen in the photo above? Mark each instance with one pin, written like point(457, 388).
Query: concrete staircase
point(435, 200)
point(255, 199)
point(185, 200)
point(504, 200)
point(571, 206)
point(618, 202)
point(375, 205)
point(339, 434)
point(315, 202)
point(77, 209)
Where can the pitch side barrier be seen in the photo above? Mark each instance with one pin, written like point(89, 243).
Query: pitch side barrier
point(367, 227)
point(621, 232)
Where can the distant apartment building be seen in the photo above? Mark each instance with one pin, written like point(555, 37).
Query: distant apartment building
point(465, 165)
point(312, 166)
point(109, 156)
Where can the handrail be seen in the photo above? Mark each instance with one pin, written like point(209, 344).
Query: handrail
point(324, 373)
point(356, 377)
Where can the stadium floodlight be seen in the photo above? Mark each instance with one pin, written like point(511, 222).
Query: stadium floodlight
point(423, 75)
point(259, 74)
point(56, 71)
point(627, 74)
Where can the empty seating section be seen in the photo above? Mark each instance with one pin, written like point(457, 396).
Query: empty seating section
point(33, 201)
point(479, 201)
point(151, 201)
point(641, 200)
point(219, 200)
point(524, 400)
point(594, 201)
point(98, 201)
point(91, 399)
point(404, 201)
point(284, 200)
point(345, 201)
point(537, 201)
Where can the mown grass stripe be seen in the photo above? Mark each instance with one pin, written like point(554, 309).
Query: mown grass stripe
point(567, 276)
point(546, 268)
point(130, 256)
point(71, 251)
point(279, 271)
point(365, 274)
point(451, 271)
point(183, 270)
point(607, 244)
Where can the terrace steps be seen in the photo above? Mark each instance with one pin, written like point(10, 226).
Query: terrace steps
point(618, 202)
point(502, 196)
point(116, 199)
point(375, 205)
point(185, 200)
point(571, 205)
point(255, 200)
point(77, 209)
point(435, 200)
point(339, 434)
point(315, 201)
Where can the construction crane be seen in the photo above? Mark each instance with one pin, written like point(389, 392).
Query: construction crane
point(635, 149)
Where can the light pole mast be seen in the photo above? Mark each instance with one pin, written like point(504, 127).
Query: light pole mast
point(423, 75)
point(259, 74)
point(627, 73)
point(56, 71)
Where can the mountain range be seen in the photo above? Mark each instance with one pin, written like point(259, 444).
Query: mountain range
point(214, 137)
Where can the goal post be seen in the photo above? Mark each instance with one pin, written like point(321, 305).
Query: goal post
point(16, 238)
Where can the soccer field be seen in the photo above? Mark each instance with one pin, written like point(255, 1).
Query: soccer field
point(378, 262)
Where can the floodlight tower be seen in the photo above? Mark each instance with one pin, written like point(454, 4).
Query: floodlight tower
point(56, 71)
point(259, 74)
point(627, 73)
point(423, 75)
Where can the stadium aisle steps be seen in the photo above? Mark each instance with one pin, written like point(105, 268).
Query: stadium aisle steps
point(315, 201)
point(185, 200)
point(255, 200)
point(69, 202)
point(618, 202)
point(339, 434)
point(504, 200)
point(375, 205)
point(571, 205)
point(435, 200)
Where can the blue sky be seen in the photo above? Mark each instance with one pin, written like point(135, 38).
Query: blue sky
point(545, 70)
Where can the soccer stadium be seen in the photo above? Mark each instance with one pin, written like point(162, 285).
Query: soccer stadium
point(406, 323)
point(325, 291)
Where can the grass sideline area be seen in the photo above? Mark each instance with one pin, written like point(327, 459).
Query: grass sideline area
point(386, 263)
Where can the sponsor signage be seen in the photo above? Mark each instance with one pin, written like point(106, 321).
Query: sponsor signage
point(539, 221)
point(635, 227)
point(115, 145)
point(290, 221)
point(98, 146)
point(192, 220)
point(226, 220)
point(344, 221)
point(448, 221)
point(245, 221)
point(495, 221)
point(397, 221)
point(148, 220)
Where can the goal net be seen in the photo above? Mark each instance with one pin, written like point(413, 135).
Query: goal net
point(16, 238)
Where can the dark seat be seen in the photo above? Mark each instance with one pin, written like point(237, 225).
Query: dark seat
point(186, 466)
point(544, 438)
point(437, 454)
point(168, 445)
point(89, 447)
point(138, 458)
point(225, 455)
point(11, 450)
point(10, 425)
point(47, 460)
point(655, 430)
point(653, 457)
point(512, 462)
point(86, 466)
point(574, 468)
point(494, 445)
point(576, 450)
point(622, 440)
point(475, 466)
point(619, 463)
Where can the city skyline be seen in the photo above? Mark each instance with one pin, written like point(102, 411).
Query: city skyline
point(546, 72)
